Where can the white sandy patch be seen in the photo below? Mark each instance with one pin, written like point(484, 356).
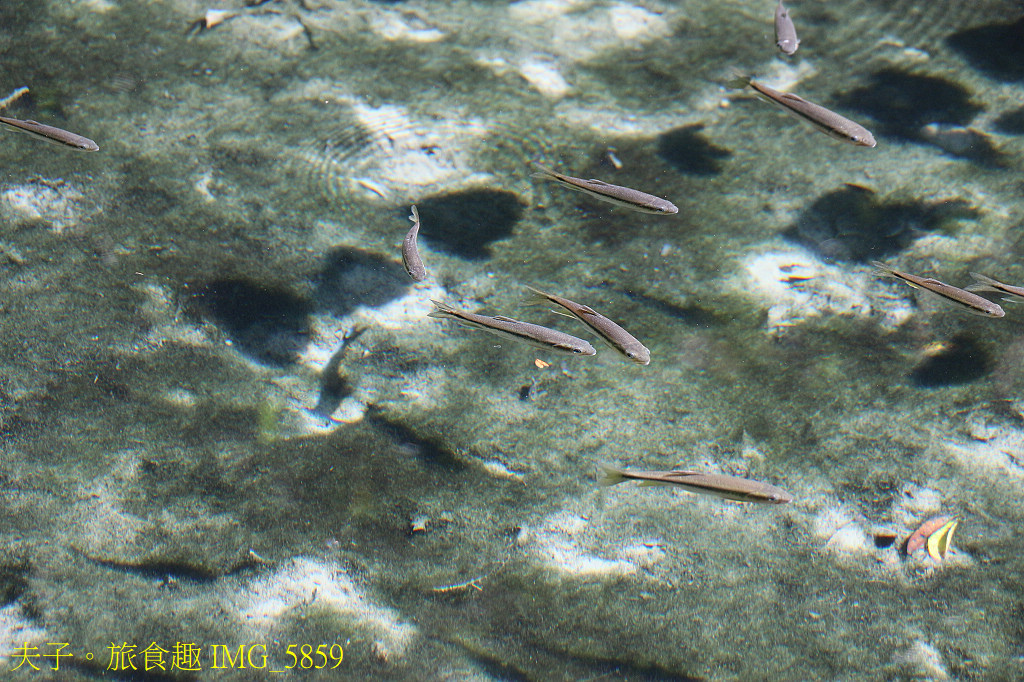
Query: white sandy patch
point(631, 22)
point(561, 544)
point(407, 26)
point(996, 458)
point(51, 202)
point(542, 11)
point(399, 156)
point(412, 153)
point(923, 661)
point(841, 533)
point(304, 585)
point(794, 285)
point(544, 76)
point(579, 31)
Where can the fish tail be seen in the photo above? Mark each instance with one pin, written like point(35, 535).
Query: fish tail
point(983, 284)
point(442, 310)
point(883, 270)
point(739, 82)
point(538, 297)
point(543, 171)
point(608, 476)
point(415, 217)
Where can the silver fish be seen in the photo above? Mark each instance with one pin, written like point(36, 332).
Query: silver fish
point(828, 122)
point(533, 334)
point(410, 253)
point(717, 485)
point(785, 32)
point(611, 333)
point(972, 303)
point(620, 196)
point(988, 284)
point(50, 134)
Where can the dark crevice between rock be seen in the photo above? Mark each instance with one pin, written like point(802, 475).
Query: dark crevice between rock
point(352, 277)
point(1011, 122)
point(960, 360)
point(690, 152)
point(428, 450)
point(850, 224)
point(466, 224)
point(13, 581)
point(268, 323)
point(903, 103)
point(995, 49)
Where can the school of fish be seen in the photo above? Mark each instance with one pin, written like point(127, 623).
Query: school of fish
point(612, 333)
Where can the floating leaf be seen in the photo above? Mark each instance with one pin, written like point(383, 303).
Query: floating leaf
point(921, 535)
point(940, 541)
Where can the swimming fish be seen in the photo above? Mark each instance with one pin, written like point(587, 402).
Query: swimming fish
point(970, 302)
point(533, 334)
point(828, 122)
point(717, 485)
point(410, 253)
point(50, 134)
point(621, 196)
point(988, 284)
point(611, 333)
point(785, 32)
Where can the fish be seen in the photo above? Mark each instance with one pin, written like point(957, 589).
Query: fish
point(611, 333)
point(972, 303)
point(410, 253)
point(620, 196)
point(988, 284)
point(717, 485)
point(785, 32)
point(533, 334)
point(50, 134)
point(828, 122)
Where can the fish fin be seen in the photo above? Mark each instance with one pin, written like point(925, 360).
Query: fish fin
point(794, 98)
point(739, 82)
point(609, 475)
point(982, 279)
point(536, 297)
point(649, 484)
point(441, 310)
point(543, 171)
point(883, 270)
point(598, 182)
point(984, 283)
point(503, 318)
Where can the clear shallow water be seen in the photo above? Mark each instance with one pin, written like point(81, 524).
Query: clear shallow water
point(193, 456)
